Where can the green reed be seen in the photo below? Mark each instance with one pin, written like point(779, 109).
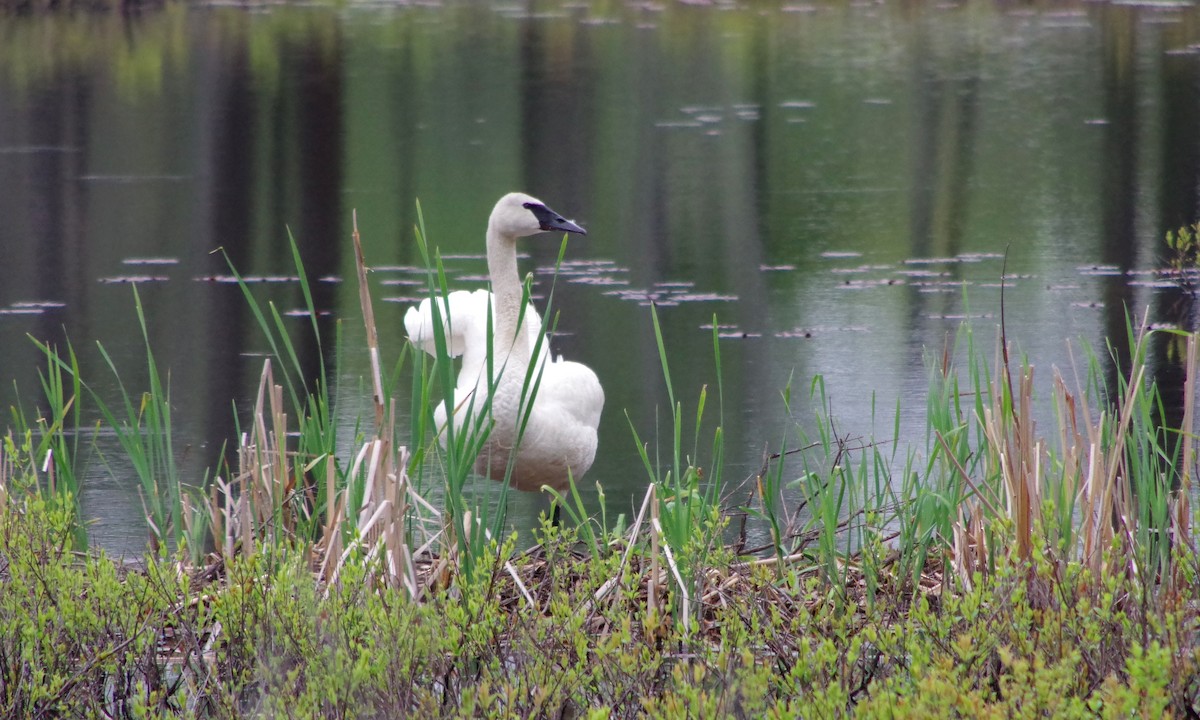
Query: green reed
point(51, 441)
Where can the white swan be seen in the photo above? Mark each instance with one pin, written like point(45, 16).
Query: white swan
point(559, 439)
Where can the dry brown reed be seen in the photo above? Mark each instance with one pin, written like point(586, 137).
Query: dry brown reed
point(8, 471)
point(1092, 464)
point(263, 502)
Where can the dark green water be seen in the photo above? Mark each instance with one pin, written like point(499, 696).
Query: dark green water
point(835, 182)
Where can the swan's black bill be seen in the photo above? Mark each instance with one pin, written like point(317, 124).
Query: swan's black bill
point(550, 220)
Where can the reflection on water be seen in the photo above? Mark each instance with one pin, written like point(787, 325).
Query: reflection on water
point(832, 191)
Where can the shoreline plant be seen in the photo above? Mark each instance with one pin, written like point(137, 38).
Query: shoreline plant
point(994, 572)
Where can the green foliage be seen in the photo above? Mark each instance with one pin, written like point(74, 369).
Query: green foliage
point(85, 636)
point(468, 520)
point(76, 633)
point(1183, 254)
point(311, 401)
point(51, 442)
point(144, 433)
point(686, 523)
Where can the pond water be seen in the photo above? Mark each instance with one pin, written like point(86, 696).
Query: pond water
point(835, 183)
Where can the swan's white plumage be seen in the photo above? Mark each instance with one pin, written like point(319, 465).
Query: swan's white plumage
point(559, 440)
point(465, 326)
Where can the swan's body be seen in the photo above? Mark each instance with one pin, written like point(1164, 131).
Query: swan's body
point(465, 325)
point(559, 439)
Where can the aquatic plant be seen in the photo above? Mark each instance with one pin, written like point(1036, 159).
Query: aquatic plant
point(51, 442)
point(1183, 255)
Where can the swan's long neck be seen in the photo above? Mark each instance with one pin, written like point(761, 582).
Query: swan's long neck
point(510, 344)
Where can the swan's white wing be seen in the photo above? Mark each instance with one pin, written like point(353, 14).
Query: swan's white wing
point(466, 324)
point(461, 313)
point(575, 390)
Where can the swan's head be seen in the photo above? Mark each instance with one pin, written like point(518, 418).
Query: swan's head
point(518, 215)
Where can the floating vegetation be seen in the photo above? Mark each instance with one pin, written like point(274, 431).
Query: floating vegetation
point(602, 281)
point(668, 295)
point(582, 269)
point(858, 269)
point(31, 307)
point(856, 284)
point(132, 179)
point(707, 116)
point(960, 316)
point(1193, 49)
point(923, 273)
point(249, 279)
point(306, 313)
point(931, 261)
point(124, 279)
point(150, 261)
point(936, 289)
point(1101, 270)
point(1159, 284)
point(704, 297)
point(398, 268)
point(810, 332)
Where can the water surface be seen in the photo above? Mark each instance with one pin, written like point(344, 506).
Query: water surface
point(834, 185)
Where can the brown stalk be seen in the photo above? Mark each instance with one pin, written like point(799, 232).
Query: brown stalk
point(1187, 455)
point(382, 518)
point(364, 299)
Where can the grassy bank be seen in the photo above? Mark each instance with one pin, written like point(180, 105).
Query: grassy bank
point(262, 636)
point(994, 571)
